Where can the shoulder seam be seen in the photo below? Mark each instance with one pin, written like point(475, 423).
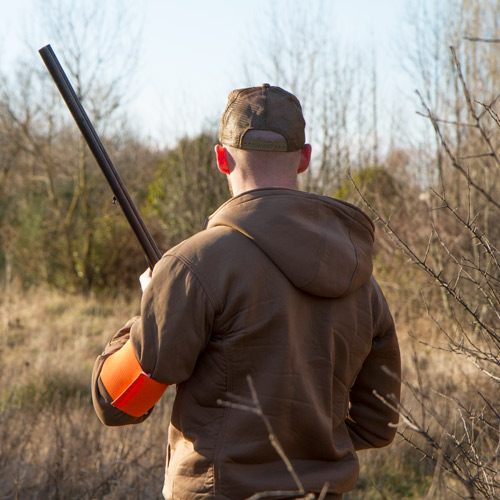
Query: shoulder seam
point(204, 285)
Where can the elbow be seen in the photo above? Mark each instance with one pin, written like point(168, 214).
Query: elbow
point(372, 434)
point(111, 416)
point(108, 414)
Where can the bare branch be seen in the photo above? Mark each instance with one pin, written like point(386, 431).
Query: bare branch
point(454, 161)
point(437, 276)
point(254, 406)
point(479, 39)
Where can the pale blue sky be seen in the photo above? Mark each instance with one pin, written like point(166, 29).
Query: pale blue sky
point(192, 50)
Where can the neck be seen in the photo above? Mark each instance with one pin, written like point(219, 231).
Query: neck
point(248, 170)
point(238, 185)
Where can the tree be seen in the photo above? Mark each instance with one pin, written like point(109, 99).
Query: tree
point(59, 173)
point(187, 187)
point(299, 51)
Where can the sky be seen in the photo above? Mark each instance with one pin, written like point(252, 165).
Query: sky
point(191, 51)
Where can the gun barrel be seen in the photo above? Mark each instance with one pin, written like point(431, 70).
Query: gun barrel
point(135, 220)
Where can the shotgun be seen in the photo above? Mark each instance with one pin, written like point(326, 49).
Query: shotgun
point(153, 254)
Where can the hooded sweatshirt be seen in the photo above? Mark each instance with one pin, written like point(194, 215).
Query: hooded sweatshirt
point(273, 329)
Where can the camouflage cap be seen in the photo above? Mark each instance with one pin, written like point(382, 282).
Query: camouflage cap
point(263, 108)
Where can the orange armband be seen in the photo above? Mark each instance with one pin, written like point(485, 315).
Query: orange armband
point(133, 391)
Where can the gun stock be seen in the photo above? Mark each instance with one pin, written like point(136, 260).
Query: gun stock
point(153, 254)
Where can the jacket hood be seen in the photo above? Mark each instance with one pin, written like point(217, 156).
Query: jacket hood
point(323, 245)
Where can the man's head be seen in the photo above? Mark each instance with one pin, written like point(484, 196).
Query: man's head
point(262, 139)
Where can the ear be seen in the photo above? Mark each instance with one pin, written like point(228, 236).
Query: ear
point(221, 154)
point(305, 158)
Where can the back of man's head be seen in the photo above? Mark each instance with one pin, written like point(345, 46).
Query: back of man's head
point(263, 109)
point(262, 139)
point(261, 158)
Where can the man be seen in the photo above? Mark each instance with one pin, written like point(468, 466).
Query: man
point(278, 287)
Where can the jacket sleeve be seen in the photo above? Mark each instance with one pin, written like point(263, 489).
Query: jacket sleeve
point(176, 321)
point(371, 422)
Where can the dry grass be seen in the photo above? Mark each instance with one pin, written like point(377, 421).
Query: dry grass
point(53, 445)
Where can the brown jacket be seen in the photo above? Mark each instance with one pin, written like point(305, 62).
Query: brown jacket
point(278, 286)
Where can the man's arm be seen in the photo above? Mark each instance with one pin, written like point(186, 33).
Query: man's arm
point(371, 422)
point(155, 350)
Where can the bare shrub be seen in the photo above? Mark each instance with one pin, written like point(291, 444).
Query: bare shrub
point(451, 414)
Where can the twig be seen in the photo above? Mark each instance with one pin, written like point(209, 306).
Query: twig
point(451, 156)
point(429, 270)
point(254, 406)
